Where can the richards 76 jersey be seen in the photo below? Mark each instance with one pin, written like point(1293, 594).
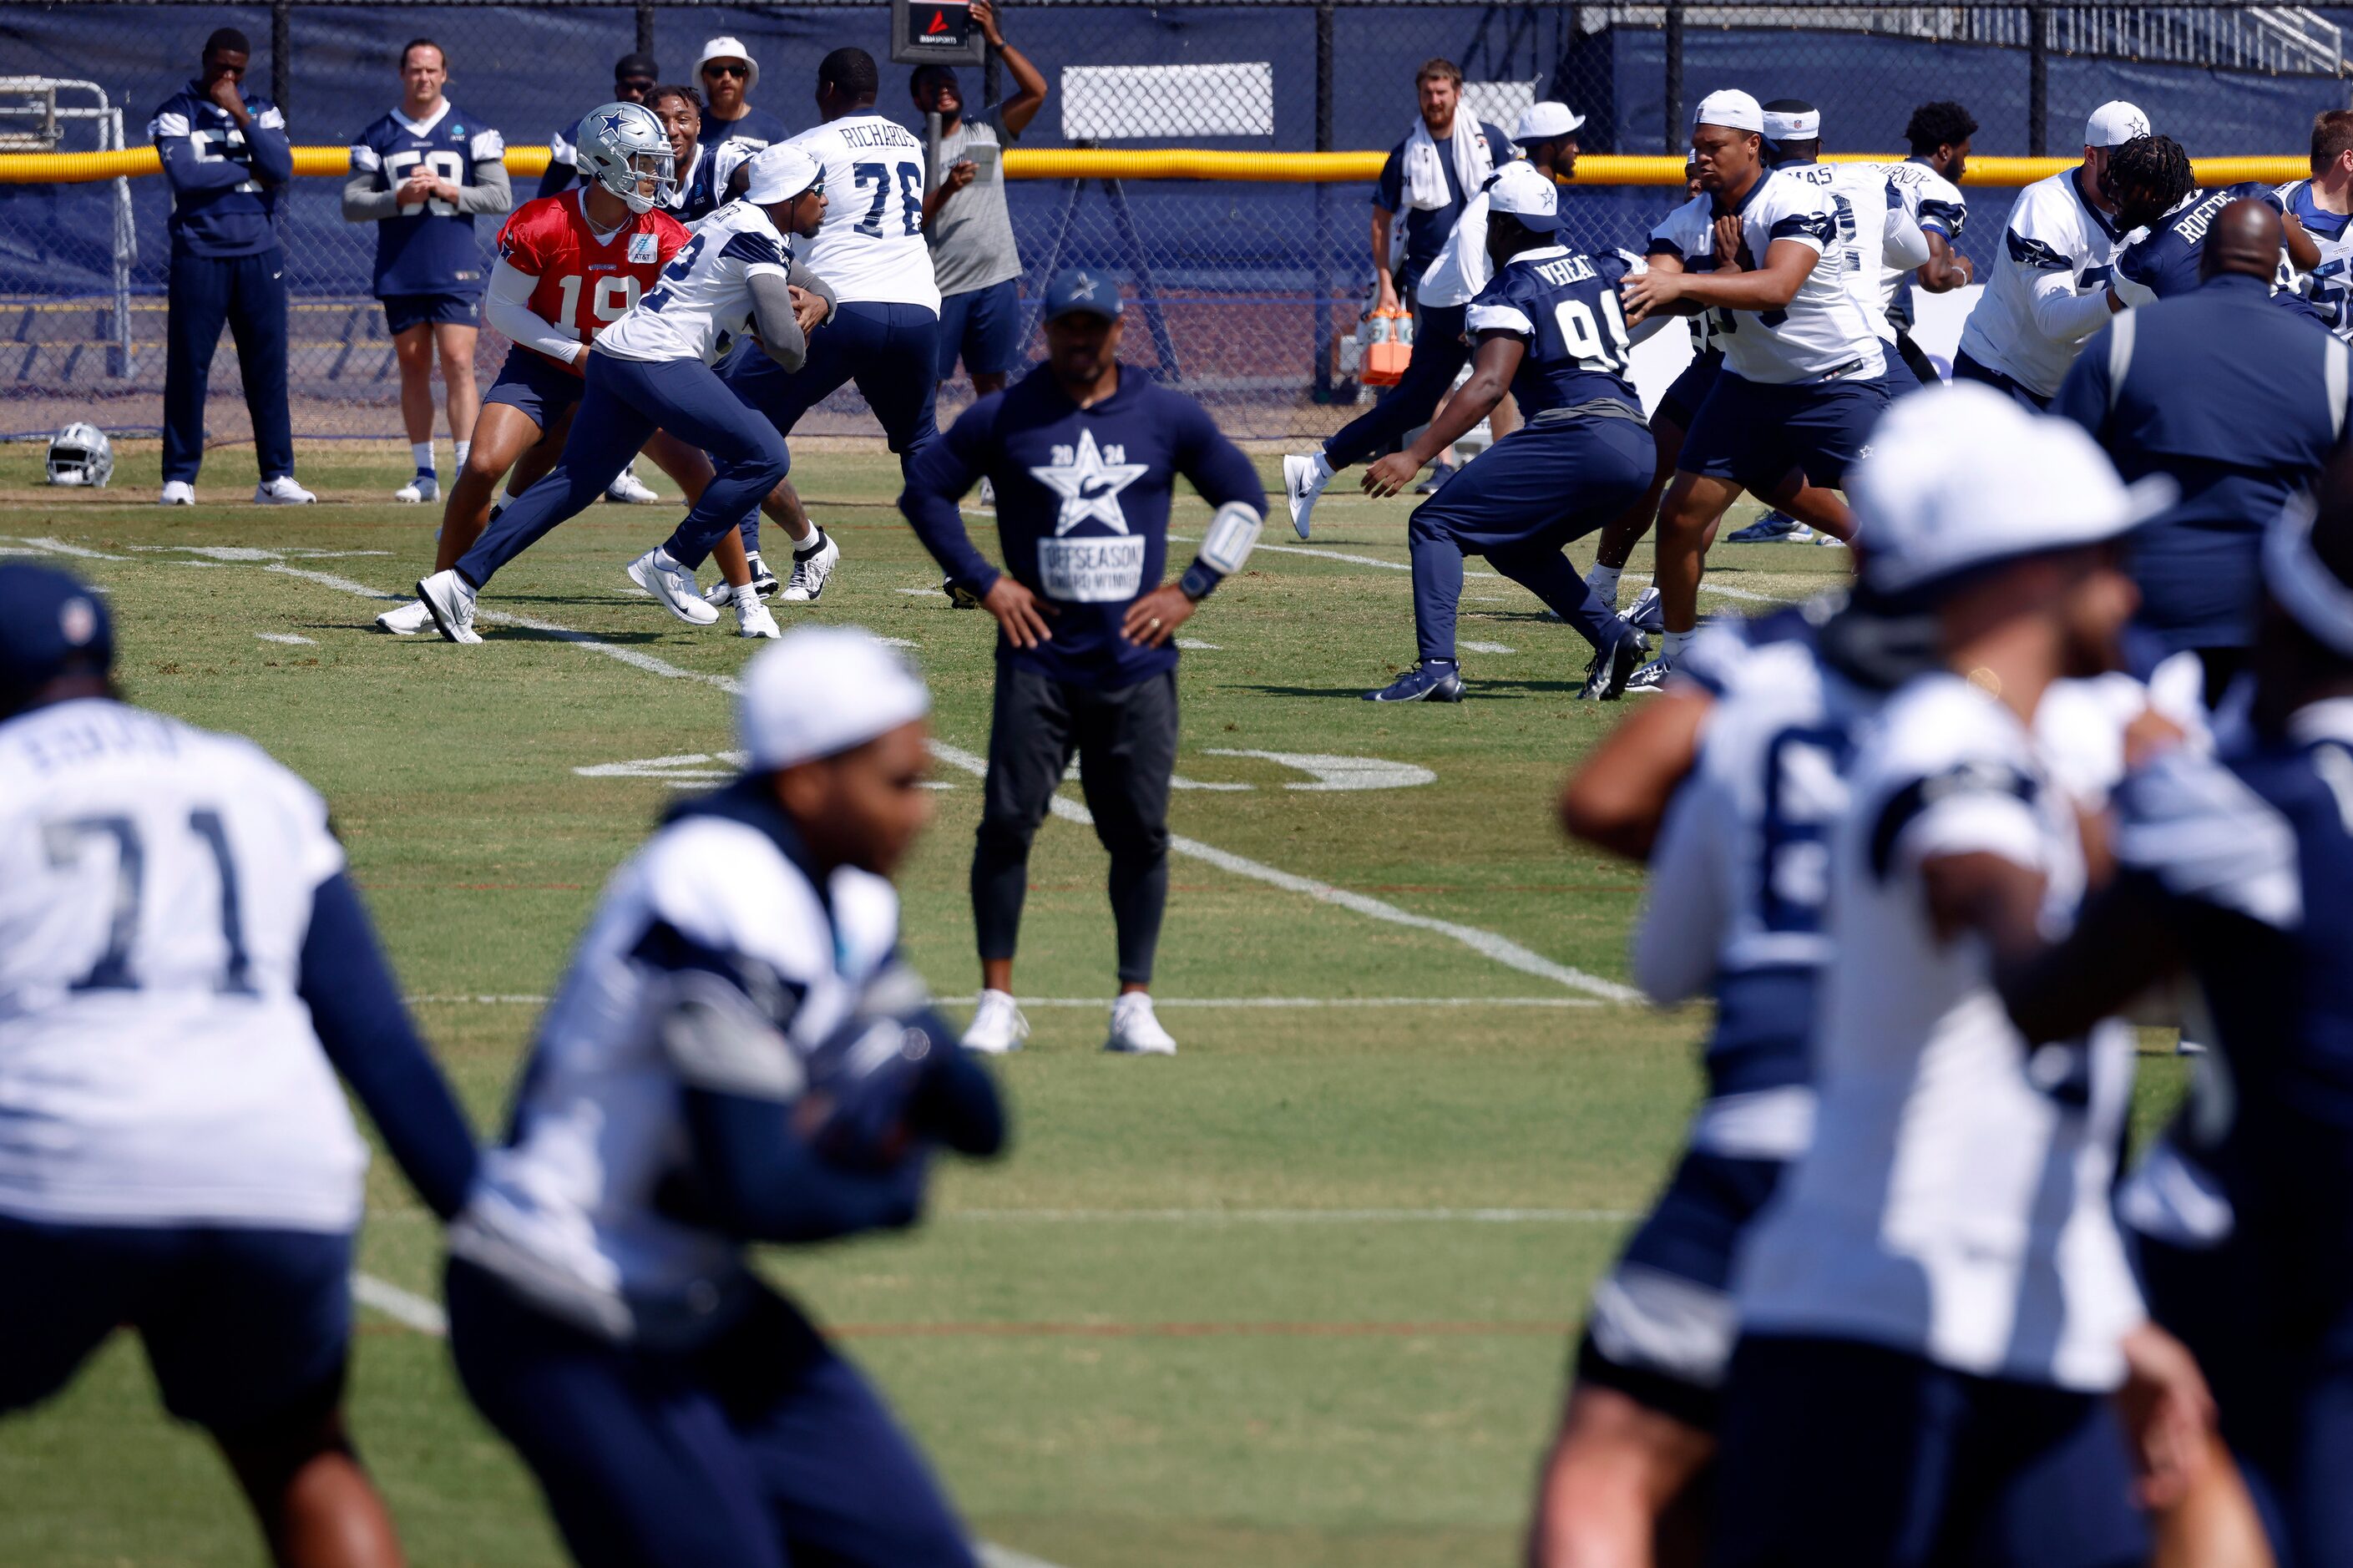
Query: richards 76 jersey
point(872, 247)
point(1563, 306)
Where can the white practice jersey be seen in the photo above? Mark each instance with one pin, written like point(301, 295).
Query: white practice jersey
point(2059, 247)
point(567, 1212)
point(1932, 202)
point(871, 247)
point(703, 297)
point(157, 1062)
point(1956, 1201)
point(1868, 210)
point(1822, 329)
point(2328, 286)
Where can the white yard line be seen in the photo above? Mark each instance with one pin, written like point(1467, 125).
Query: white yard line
point(1288, 1216)
point(287, 638)
point(1488, 944)
point(60, 547)
point(1277, 1004)
point(403, 1307)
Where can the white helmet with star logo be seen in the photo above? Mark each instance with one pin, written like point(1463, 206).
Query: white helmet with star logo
point(623, 149)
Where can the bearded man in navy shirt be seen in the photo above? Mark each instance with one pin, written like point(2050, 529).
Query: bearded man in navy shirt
point(1083, 454)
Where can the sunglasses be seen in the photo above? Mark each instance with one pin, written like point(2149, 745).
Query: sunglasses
point(640, 87)
point(718, 69)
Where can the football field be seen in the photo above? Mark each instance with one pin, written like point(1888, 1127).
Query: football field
point(1301, 1295)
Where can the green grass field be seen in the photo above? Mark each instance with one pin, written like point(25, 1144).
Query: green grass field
point(1300, 1296)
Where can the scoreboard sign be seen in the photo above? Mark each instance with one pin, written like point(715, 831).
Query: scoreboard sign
point(936, 31)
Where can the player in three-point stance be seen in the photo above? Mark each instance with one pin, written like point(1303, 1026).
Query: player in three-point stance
point(569, 265)
point(1549, 331)
point(735, 1055)
point(651, 370)
point(184, 967)
point(1083, 454)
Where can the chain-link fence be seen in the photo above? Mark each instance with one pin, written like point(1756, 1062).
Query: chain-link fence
point(1240, 286)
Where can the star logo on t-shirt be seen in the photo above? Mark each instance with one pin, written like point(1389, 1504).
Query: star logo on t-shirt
point(1089, 485)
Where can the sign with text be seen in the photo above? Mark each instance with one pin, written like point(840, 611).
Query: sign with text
point(936, 32)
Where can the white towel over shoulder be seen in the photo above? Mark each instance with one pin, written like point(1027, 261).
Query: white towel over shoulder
point(1425, 176)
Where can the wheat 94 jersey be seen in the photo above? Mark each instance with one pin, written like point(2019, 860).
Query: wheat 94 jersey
point(703, 297)
point(872, 247)
point(1955, 1202)
point(1564, 305)
point(1931, 201)
point(586, 281)
point(157, 1063)
point(2057, 243)
point(2329, 285)
point(576, 1212)
point(1823, 330)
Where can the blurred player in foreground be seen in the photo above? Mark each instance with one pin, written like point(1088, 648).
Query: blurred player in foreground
point(2234, 870)
point(569, 265)
point(184, 967)
point(1084, 454)
point(1939, 1330)
point(651, 370)
point(1550, 332)
point(735, 1057)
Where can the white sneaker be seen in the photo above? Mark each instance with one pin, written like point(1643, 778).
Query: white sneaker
point(449, 600)
point(1135, 1030)
point(177, 492)
point(407, 621)
point(672, 586)
point(809, 577)
point(753, 619)
point(420, 487)
point(997, 1026)
point(279, 491)
point(1303, 479)
point(630, 491)
point(987, 492)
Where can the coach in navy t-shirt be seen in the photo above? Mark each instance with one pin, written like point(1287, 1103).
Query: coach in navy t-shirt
point(1083, 455)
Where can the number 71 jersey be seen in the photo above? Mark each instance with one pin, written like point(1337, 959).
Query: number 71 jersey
point(1563, 304)
point(871, 247)
point(586, 283)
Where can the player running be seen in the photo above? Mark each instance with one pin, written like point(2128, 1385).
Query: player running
point(1549, 330)
point(186, 965)
point(884, 335)
point(736, 1056)
point(1937, 1305)
point(569, 265)
point(1804, 376)
point(2051, 289)
point(421, 174)
point(651, 370)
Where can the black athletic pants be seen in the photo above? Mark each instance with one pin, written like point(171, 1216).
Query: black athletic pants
point(1125, 741)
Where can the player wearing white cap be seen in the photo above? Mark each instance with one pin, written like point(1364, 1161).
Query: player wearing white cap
point(1803, 377)
point(1936, 1306)
point(651, 369)
point(735, 1055)
point(2050, 287)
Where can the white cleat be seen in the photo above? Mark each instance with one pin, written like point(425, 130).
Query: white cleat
point(809, 578)
point(449, 600)
point(279, 491)
point(987, 493)
point(672, 586)
point(411, 619)
point(630, 491)
point(753, 619)
point(997, 1026)
point(1135, 1030)
point(177, 492)
point(419, 489)
point(1303, 479)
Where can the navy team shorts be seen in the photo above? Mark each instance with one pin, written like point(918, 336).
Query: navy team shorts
point(1661, 1327)
point(1681, 400)
point(246, 1330)
point(540, 388)
point(1838, 1452)
point(402, 312)
point(984, 326)
point(1755, 434)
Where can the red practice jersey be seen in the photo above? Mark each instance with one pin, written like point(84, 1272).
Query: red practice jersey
point(585, 284)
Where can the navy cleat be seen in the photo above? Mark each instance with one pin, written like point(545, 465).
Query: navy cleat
point(1773, 528)
point(1432, 683)
point(1612, 668)
point(1650, 677)
point(1439, 473)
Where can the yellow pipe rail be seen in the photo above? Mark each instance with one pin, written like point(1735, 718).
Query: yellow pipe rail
point(1163, 164)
